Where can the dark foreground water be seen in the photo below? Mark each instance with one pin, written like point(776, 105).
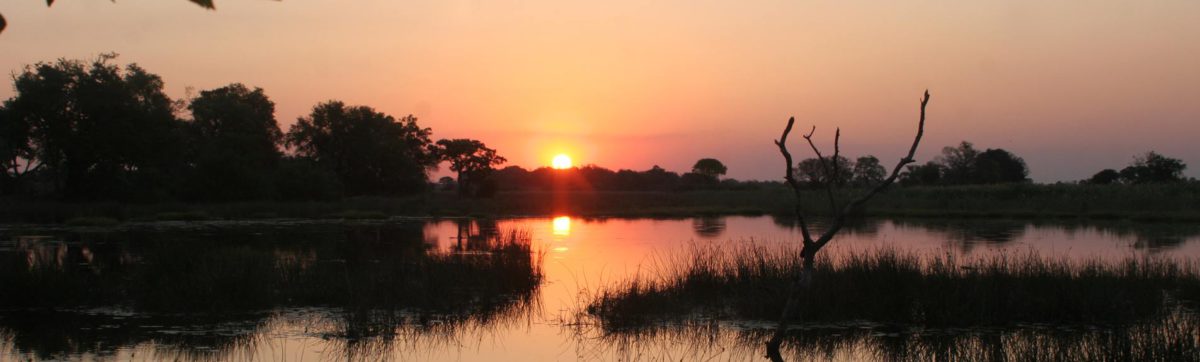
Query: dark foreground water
point(457, 289)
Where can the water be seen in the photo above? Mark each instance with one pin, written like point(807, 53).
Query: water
point(419, 289)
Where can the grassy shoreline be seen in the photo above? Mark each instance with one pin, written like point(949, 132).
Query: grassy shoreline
point(897, 288)
point(1167, 203)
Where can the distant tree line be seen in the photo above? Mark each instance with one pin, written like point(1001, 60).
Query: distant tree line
point(705, 175)
point(83, 131)
point(959, 165)
point(1146, 169)
point(966, 165)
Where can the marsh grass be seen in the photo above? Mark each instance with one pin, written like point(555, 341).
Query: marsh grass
point(894, 287)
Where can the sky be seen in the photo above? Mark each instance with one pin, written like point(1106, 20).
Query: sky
point(1073, 87)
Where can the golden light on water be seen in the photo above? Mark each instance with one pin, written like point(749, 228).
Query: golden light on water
point(561, 225)
point(561, 162)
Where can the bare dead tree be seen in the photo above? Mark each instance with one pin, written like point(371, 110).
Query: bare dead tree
point(811, 246)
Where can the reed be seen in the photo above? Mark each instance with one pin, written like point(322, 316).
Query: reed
point(889, 286)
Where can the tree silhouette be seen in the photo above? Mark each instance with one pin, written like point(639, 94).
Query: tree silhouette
point(17, 152)
point(929, 173)
point(840, 212)
point(958, 163)
point(236, 142)
point(371, 152)
point(815, 173)
point(964, 164)
point(709, 167)
point(998, 166)
point(868, 171)
point(471, 159)
point(97, 130)
point(1153, 168)
point(1107, 176)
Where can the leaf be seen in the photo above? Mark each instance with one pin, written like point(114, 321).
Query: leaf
point(207, 4)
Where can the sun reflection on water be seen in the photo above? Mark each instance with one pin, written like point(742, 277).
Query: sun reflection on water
point(561, 226)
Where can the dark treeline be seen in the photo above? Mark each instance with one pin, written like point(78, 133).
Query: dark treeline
point(596, 178)
point(966, 165)
point(961, 165)
point(96, 131)
point(1149, 168)
point(83, 131)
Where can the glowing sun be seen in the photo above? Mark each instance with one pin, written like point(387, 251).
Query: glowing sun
point(561, 162)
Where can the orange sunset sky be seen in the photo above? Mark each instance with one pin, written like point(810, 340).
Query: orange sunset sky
point(1071, 86)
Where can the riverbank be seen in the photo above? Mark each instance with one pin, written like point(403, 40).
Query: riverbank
point(1168, 203)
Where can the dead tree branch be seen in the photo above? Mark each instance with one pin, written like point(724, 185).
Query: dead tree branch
point(790, 177)
point(810, 246)
point(829, 178)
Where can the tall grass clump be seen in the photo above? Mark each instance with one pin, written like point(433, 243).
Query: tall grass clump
point(890, 286)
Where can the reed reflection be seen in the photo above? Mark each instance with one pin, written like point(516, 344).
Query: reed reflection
point(1170, 337)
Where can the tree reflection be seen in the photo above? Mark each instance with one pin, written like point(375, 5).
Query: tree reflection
point(709, 226)
point(862, 226)
point(966, 234)
point(213, 291)
point(1153, 237)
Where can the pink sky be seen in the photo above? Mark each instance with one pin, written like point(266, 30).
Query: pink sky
point(1073, 87)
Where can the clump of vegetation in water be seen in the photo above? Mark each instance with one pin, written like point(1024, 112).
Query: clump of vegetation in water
point(893, 287)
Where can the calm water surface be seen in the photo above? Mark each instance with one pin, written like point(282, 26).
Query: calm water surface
point(103, 303)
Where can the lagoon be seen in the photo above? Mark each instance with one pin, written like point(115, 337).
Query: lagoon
point(456, 289)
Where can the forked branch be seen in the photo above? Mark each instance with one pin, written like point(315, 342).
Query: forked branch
point(840, 214)
point(790, 177)
point(808, 252)
point(840, 219)
point(830, 177)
